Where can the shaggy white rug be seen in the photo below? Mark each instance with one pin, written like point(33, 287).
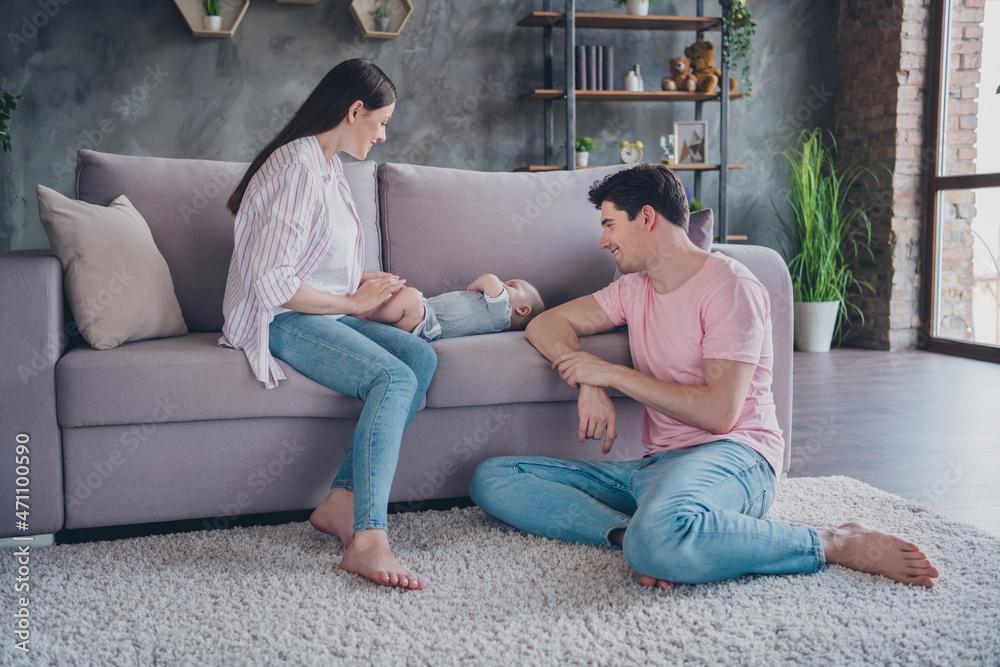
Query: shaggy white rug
point(270, 595)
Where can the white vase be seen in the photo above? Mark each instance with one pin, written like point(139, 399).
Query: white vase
point(637, 7)
point(213, 23)
point(632, 83)
point(582, 158)
point(382, 23)
point(815, 324)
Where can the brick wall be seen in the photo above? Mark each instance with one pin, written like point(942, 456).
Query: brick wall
point(880, 117)
point(882, 61)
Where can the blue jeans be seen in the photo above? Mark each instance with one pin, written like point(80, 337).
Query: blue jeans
point(386, 368)
point(691, 516)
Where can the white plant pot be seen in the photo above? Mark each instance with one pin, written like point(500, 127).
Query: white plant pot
point(637, 7)
point(382, 24)
point(815, 324)
point(582, 158)
point(213, 23)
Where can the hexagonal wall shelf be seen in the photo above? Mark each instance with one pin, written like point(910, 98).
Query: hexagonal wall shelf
point(231, 11)
point(401, 10)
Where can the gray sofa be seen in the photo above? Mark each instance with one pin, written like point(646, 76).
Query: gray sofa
point(178, 428)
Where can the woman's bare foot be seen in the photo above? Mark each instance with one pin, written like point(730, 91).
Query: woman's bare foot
point(370, 556)
point(859, 548)
point(335, 515)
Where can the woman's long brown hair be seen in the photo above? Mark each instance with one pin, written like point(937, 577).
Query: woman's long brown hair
point(326, 106)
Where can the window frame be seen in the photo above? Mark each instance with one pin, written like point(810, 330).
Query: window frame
point(935, 183)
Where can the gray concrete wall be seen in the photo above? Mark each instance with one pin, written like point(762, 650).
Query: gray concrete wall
point(128, 77)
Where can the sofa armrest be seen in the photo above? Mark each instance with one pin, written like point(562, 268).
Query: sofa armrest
point(771, 271)
point(33, 338)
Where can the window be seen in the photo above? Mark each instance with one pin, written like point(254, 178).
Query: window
point(962, 203)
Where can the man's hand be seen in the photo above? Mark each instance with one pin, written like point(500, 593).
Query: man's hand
point(597, 416)
point(487, 284)
point(581, 368)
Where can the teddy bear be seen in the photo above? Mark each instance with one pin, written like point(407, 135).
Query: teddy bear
point(680, 76)
point(702, 55)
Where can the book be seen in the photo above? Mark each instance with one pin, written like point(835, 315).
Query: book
point(591, 67)
point(609, 67)
point(599, 84)
point(581, 67)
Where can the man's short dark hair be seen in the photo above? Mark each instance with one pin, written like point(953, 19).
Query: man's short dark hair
point(644, 184)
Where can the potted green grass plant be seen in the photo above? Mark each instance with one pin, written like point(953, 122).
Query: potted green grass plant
point(827, 231)
point(213, 18)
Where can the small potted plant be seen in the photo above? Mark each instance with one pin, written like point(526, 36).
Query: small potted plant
point(382, 14)
point(827, 231)
point(583, 147)
point(635, 7)
point(213, 20)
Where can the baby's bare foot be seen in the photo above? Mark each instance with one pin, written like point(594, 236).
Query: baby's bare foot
point(859, 548)
point(370, 556)
point(335, 515)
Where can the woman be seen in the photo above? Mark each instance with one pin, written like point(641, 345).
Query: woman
point(296, 286)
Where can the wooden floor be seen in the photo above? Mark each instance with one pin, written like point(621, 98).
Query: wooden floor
point(921, 425)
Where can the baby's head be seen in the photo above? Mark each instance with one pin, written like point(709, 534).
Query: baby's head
point(525, 303)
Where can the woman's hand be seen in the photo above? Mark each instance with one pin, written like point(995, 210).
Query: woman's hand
point(374, 292)
point(369, 275)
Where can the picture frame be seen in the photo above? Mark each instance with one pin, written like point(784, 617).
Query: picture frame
point(690, 142)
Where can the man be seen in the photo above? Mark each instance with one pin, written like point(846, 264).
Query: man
point(692, 510)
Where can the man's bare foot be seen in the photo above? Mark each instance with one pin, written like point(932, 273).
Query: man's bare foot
point(335, 515)
point(617, 537)
point(370, 556)
point(645, 580)
point(859, 548)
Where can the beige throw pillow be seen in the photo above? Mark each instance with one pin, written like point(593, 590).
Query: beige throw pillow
point(116, 281)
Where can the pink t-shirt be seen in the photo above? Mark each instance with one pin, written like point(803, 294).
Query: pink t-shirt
point(722, 312)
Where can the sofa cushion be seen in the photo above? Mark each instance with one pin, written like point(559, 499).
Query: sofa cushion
point(181, 379)
point(496, 369)
point(183, 201)
point(117, 284)
point(535, 226)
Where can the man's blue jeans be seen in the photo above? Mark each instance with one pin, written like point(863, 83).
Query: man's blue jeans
point(691, 516)
point(386, 368)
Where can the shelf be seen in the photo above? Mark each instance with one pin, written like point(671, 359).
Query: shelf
point(622, 22)
point(366, 22)
point(193, 12)
point(629, 96)
point(674, 167)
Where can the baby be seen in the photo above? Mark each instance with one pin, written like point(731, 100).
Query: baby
point(488, 305)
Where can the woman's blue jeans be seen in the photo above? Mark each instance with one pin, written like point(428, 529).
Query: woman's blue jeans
point(691, 516)
point(385, 367)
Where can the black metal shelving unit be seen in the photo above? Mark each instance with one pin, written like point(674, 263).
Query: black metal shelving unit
point(570, 21)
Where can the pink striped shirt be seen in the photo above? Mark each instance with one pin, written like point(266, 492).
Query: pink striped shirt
point(293, 217)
